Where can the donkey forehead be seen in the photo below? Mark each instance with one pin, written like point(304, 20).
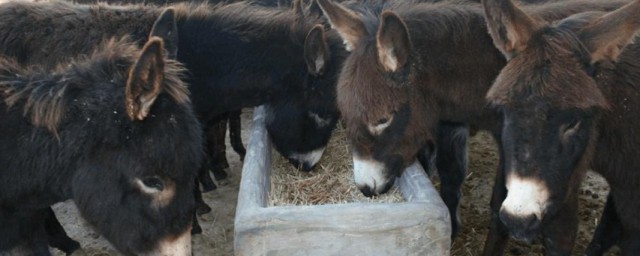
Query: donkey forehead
point(548, 71)
point(365, 91)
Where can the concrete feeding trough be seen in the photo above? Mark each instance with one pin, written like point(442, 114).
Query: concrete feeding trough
point(419, 226)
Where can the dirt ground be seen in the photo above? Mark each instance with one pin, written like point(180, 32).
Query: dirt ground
point(217, 237)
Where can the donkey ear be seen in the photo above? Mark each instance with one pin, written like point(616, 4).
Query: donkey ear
point(606, 36)
point(509, 26)
point(314, 9)
point(346, 22)
point(316, 51)
point(165, 27)
point(392, 42)
point(299, 21)
point(145, 80)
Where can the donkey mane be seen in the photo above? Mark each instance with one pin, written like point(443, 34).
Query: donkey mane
point(438, 27)
point(444, 15)
point(249, 17)
point(46, 95)
point(452, 18)
point(560, 9)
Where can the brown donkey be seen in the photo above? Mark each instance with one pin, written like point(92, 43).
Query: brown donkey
point(569, 95)
point(411, 68)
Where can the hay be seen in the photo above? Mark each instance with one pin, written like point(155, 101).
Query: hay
point(331, 182)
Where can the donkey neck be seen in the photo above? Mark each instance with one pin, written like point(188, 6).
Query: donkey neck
point(252, 56)
point(51, 32)
point(617, 145)
point(458, 61)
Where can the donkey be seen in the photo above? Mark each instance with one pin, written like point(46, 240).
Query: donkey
point(249, 54)
point(115, 132)
point(570, 89)
point(216, 130)
point(57, 236)
point(411, 68)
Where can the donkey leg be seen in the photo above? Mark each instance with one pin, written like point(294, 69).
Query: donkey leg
point(217, 147)
point(630, 241)
point(607, 232)
point(498, 234)
point(201, 206)
point(57, 236)
point(451, 163)
point(561, 231)
point(626, 198)
point(427, 158)
point(205, 178)
point(22, 232)
point(195, 225)
point(235, 128)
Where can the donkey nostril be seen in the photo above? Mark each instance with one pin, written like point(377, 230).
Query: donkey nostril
point(307, 167)
point(521, 227)
point(367, 191)
point(294, 162)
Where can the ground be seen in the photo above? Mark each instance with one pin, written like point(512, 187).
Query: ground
point(217, 238)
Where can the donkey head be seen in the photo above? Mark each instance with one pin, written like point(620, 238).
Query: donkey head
point(136, 185)
point(377, 96)
point(550, 102)
point(300, 126)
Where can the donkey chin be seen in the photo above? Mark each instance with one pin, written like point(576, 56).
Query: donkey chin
point(370, 177)
point(521, 227)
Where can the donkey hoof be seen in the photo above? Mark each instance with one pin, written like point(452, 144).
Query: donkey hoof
point(208, 185)
point(71, 247)
point(196, 229)
point(219, 174)
point(203, 209)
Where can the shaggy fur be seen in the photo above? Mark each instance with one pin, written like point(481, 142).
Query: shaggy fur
point(71, 138)
point(563, 110)
point(238, 55)
point(449, 68)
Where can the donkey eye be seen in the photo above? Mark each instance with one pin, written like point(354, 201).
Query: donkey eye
point(570, 128)
point(152, 184)
point(379, 126)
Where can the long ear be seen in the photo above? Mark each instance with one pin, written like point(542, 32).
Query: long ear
point(165, 27)
point(509, 26)
point(346, 22)
point(145, 80)
point(316, 51)
point(299, 21)
point(314, 9)
point(392, 42)
point(606, 36)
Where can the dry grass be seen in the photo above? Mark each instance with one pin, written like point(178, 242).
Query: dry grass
point(331, 182)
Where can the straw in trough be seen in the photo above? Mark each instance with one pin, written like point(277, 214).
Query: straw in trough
point(331, 181)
